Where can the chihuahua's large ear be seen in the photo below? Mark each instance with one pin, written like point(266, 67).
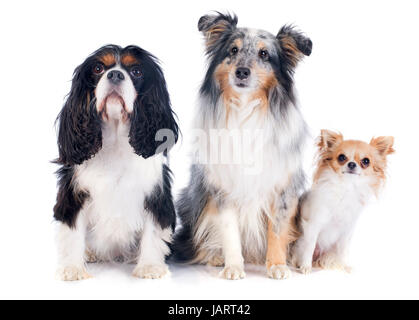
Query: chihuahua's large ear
point(214, 27)
point(329, 139)
point(79, 131)
point(384, 145)
point(294, 44)
point(153, 126)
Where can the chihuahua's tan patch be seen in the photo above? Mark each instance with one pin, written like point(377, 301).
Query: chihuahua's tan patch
point(331, 145)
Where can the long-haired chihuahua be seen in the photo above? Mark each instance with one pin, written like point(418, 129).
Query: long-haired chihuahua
point(348, 174)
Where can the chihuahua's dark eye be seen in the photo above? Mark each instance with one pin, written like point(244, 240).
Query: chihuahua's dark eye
point(136, 72)
point(234, 51)
point(365, 163)
point(263, 54)
point(342, 158)
point(98, 68)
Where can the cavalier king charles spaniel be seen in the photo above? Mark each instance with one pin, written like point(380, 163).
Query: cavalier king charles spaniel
point(114, 199)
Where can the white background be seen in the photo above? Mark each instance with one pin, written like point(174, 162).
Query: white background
point(361, 79)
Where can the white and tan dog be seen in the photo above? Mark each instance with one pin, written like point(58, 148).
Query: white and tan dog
point(349, 173)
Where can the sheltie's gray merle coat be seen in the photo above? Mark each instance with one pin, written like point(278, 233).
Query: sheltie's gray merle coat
point(229, 214)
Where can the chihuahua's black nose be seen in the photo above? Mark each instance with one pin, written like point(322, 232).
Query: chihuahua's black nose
point(351, 165)
point(115, 76)
point(242, 73)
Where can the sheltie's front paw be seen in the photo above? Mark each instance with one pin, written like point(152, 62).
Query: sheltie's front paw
point(150, 271)
point(71, 273)
point(233, 272)
point(279, 272)
point(216, 261)
point(91, 257)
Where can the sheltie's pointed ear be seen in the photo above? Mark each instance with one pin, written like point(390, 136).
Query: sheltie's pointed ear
point(214, 27)
point(153, 126)
point(79, 131)
point(294, 44)
point(384, 145)
point(328, 139)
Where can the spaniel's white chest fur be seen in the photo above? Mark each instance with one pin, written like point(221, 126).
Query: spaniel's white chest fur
point(117, 181)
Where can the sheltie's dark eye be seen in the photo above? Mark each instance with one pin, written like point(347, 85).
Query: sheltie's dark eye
point(234, 51)
point(365, 163)
point(263, 54)
point(98, 68)
point(136, 72)
point(342, 158)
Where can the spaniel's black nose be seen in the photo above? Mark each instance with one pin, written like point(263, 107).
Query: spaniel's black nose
point(115, 76)
point(351, 165)
point(242, 73)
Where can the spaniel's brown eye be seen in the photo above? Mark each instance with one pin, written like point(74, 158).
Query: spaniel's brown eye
point(365, 163)
point(342, 158)
point(136, 72)
point(234, 51)
point(98, 68)
point(263, 54)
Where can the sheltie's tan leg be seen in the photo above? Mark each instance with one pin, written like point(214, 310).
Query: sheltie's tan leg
point(278, 242)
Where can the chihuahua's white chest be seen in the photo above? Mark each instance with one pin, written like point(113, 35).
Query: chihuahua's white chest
point(334, 205)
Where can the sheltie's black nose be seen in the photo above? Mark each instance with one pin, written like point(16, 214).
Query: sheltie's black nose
point(242, 73)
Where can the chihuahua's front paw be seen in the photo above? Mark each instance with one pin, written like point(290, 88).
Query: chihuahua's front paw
point(279, 272)
point(333, 263)
point(294, 261)
point(340, 266)
point(347, 269)
point(72, 273)
point(150, 271)
point(233, 272)
point(305, 269)
point(303, 266)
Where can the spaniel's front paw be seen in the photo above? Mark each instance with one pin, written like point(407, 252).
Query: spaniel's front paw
point(150, 271)
point(71, 273)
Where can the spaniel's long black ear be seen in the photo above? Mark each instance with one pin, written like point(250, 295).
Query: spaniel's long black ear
point(153, 126)
point(79, 133)
point(294, 44)
point(215, 26)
